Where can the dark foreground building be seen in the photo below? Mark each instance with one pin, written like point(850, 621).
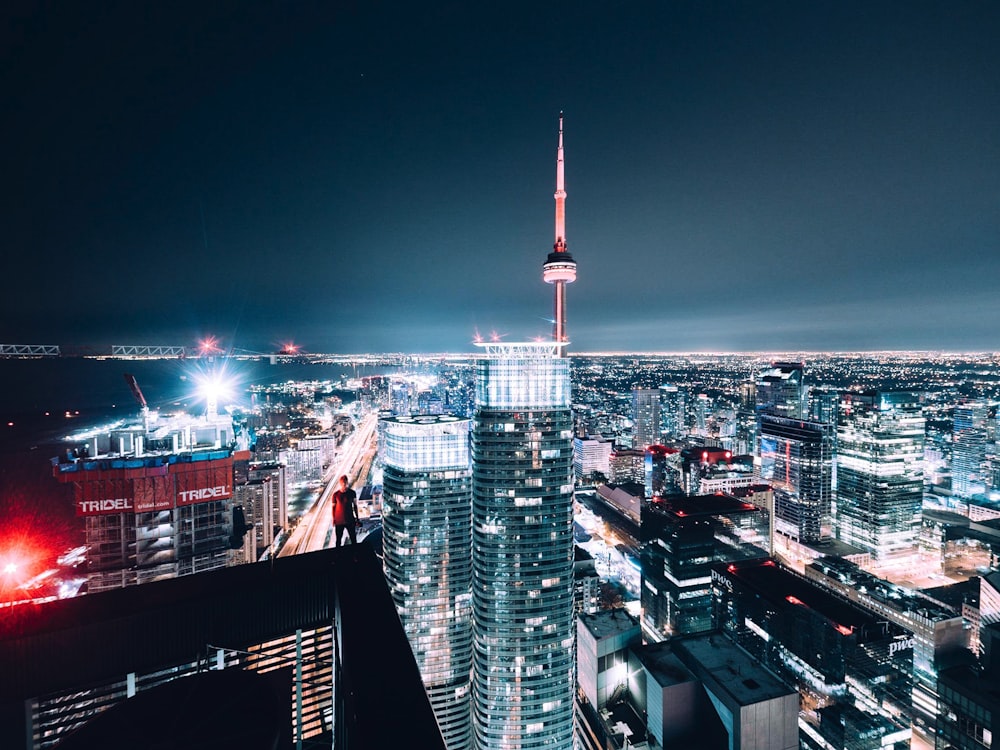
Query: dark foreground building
point(682, 538)
point(319, 629)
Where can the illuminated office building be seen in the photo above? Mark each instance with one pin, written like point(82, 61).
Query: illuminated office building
point(796, 459)
point(880, 445)
point(627, 465)
point(938, 636)
point(592, 456)
point(780, 390)
point(968, 462)
point(672, 408)
point(522, 554)
point(645, 417)
point(663, 473)
point(969, 449)
point(852, 666)
point(427, 546)
point(682, 538)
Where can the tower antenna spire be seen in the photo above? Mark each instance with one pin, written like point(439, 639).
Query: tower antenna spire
point(560, 268)
point(560, 195)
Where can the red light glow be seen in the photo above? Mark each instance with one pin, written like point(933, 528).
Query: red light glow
point(844, 630)
point(17, 567)
point(209, 345)
point(795, 600)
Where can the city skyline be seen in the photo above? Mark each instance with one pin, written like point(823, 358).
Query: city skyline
point(379, 177)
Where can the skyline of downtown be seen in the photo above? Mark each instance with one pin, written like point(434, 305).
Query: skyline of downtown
point(951, 377)
point(738, 178)
point(831, 253)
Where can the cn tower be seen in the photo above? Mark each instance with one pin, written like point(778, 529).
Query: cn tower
point(560, 268)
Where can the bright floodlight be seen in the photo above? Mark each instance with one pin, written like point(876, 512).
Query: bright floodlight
point(213, 387)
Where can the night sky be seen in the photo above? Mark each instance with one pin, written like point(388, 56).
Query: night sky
point(377, 176)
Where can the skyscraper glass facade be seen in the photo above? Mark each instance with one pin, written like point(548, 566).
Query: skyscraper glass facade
point(880, 444)
point(427, 544)
point(969, 449)
point(780, 390)
point(522, 450)
point(796, 459)
point(645, 417)
point(672, 400)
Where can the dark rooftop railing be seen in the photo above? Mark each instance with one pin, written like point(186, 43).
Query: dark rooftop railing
point(379, 698)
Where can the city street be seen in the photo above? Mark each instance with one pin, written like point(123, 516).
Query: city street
point(354, 460)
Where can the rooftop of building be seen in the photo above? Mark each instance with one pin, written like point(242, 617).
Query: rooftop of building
point(783, 587)
point(116, 461)
point(74, 644)
point(898, 597)
point(956, 594)
point(628, 453)
point(992, 579)
point(663, 665)
point(624, 722)
point(521, 349)
point(661, 450)
point(421, 419)
point(626, 498)
point(833, 548)
point(609, 622)
point(694, 506)
point(728, 669)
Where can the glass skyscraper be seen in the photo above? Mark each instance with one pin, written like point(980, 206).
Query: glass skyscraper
point(796, 459)
point(645, 417)
point(522, 554)
point(672, 409)
point(880, 445)
point(969, 449)
point(780, 390)
point(427, 544)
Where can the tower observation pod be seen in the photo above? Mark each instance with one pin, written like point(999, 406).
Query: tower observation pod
point(560, 268)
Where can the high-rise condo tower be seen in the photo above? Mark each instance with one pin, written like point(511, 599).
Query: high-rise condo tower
point(427, 545)
point(522, 549)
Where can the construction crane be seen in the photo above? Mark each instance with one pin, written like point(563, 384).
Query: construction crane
point(137, 392)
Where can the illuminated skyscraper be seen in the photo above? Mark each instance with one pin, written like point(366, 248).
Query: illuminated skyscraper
point(672, 411)
point(780, 390)
point(645, 417)
point(559, 268)
point(522, 554)
point(880, 445)
point(796, 459)
point(427, 544)
point(969, 442)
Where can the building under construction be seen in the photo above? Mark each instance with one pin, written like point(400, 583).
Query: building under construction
point(156, 498)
